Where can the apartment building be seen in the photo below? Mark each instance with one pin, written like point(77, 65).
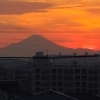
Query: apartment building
point(65, 78)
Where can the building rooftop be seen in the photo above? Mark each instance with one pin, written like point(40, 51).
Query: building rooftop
point(54, 95)
point(47, 95)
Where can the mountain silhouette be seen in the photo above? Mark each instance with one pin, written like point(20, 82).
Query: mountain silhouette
point(36, 43)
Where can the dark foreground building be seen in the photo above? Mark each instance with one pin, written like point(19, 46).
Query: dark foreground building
point(74, 77)
point(48, 95)
point(8, 89)
point(9, 86)
point(54, 95)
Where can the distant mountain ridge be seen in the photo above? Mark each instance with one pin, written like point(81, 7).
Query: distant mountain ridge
point(36, 43)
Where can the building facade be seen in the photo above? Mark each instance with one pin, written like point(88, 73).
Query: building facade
point(65, 78)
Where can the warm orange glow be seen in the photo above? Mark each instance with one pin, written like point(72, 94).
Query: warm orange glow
point(70, 24)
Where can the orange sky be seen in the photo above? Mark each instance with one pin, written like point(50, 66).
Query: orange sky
point(70, 23)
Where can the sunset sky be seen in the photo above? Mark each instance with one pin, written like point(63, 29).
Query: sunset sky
point(70, 23)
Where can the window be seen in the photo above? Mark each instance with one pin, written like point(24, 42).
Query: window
point(95, 71)
point(84, 84)
point(66, 71)
point(84, 78)
point(42, 77)
point(90, 85)
point(66, 78)
point(95, 85)
point(54, 71)
point(77, 71)
point(54, 84)
point(77, 84)
point(47, 71)
point(60, 84)
point(71, 84)
point(95, 78)
point(43, 71)
point(54, 77)
point(45, 77)
point(84, 90)
point(95, 91)
point(60, 77)
point(37, 71)
point(90, 91)
point(71, 78)
point(37, 90)
point(43, 84)
point(84, 71)
point(71, 71)
point(90, 78)
point(60, 89)
point(35, 65)
point(37, 77)
point(66, 91)
point(77, 90)
point(66, 84)
point(77, 78)
point(5, 78)
point(60, 71)
point(90, 71)
point(37, 83)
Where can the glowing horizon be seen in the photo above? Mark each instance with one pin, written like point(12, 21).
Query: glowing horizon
point(70, 23)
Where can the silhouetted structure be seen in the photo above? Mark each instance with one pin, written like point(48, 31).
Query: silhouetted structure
point(65, 78)
point(42, 73)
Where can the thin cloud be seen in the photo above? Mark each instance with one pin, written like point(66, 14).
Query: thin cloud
point(95, 11)
point(19, 7)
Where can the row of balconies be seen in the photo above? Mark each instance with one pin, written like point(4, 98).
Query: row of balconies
point(67, 77)
point(67, 84)
point(66, 71)
point(66, 90)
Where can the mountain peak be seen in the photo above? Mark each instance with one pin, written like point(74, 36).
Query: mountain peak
point(36, 37)
point(34, 43)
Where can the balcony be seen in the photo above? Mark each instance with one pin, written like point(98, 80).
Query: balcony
point(45, 77)
point(54, 84)
point(60, 77)
point(37, 71)
point(84, 78)
point(54, 77)
point(54, 71)
point(77, 78)
point(77, 84)
point(60, 84)
point(84, 71)
point(37, 83)
point(60, 71)
point(84, 84)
